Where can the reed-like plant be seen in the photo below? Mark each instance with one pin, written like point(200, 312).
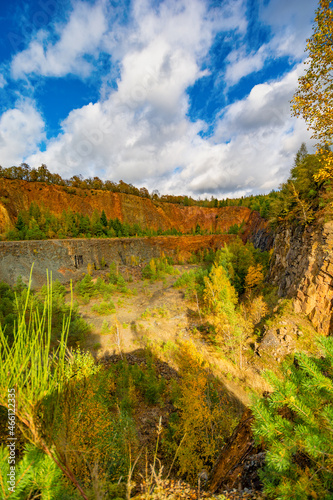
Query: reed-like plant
point(35, 370)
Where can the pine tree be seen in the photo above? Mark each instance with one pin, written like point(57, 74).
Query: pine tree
point(20, 224)
point(295, 423)
point(104, 219)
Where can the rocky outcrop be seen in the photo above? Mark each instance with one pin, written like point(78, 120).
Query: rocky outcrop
point(302, 267)
point(279, 340)
point(258, 232)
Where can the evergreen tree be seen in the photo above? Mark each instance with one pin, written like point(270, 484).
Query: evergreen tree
point(20, 224)
point(197, 229)
point(295, 423)
point(96, 224)
point(104, 219)
point(84, 224)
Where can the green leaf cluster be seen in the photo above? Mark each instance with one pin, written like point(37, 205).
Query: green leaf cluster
point(299, 197)
point(295, 424)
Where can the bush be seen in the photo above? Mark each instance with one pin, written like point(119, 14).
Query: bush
point(236, 229)
point(157, 268)
point(104, 308)
point(186, 279)
point(117, 491)
point(193, 281)
point(58, 290)
point(117, 280)
point(85, 287)
point(78, 330)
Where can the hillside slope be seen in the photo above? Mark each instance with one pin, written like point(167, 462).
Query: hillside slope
point(16, 195)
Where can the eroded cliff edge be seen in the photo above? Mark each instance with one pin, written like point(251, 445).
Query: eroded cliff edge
point(16, 195)
point(302, 268)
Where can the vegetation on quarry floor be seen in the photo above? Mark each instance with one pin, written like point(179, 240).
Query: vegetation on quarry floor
point(180, 342)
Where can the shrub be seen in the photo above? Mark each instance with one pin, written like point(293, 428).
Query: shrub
point(193, 281)
point(157, 268)
point(78, 329)
point(116, 279)
point(104, 308)
point(58, 290)
point(85, 287)
point(105, 328)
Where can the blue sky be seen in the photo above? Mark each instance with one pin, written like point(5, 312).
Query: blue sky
point(184, 96)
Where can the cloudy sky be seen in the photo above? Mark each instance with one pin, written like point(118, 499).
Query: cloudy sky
point(184, 96)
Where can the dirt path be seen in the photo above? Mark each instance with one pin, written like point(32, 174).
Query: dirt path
point(156, 312)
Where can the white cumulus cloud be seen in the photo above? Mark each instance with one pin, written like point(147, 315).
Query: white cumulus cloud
point(21, 130)
point(80, 36)
point(141, 131)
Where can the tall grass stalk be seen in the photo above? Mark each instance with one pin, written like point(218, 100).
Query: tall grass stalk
point(35, 370)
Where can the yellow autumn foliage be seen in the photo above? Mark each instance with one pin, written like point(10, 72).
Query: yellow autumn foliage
point(254, 277)
point(314, 98)
point(85, 422)
point(206, 416)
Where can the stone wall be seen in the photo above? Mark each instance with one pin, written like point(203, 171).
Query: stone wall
point(302, 267)
point(68, 259)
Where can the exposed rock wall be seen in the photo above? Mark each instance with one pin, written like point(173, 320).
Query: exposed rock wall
point(68, 259)
point(16, 195)
point(258, 232)
point(302, 267)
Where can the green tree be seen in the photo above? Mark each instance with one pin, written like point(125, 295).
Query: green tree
point(97, 228)
point(34, 232)
point(295, 425)
point(298, 198)
point(198, 229)
point(104, 219)
point(84, 224)
point(242, 257)
point(20, 224)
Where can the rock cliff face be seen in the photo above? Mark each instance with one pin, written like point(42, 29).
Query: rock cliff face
point(68, 259)
point(16, 195)
point(302, 267)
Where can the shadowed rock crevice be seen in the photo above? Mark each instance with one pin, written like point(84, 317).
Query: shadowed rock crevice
point(239, 460)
